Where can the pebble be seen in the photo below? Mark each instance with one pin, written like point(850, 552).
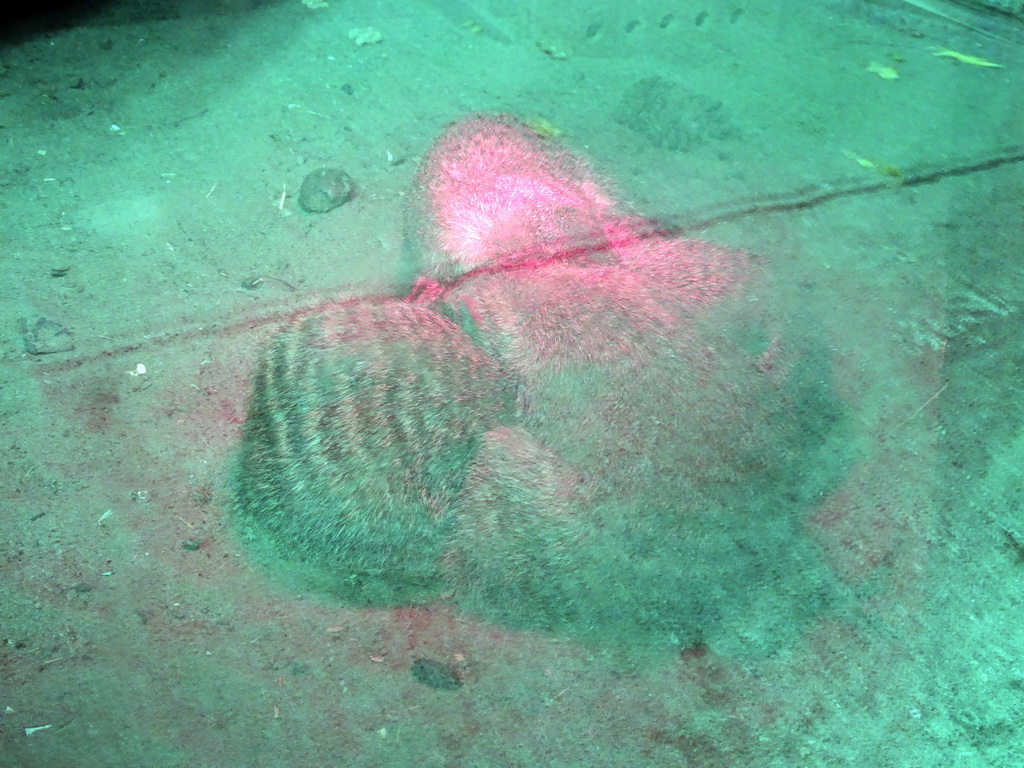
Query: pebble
point(324, 190)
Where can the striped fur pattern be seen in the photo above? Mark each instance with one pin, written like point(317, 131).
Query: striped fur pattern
point(361, 427)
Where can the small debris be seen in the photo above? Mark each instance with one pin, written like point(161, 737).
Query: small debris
point(255, 282)
point(963, 58)
point(543, 127)
point(552, 50)
point(883, 71)
point(365, 35)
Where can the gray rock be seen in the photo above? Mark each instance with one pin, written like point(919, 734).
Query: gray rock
point(325, 189)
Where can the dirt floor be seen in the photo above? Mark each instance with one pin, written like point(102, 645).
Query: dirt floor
point(152, 242)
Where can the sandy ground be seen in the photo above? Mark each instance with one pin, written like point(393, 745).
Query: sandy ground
point(151, 159)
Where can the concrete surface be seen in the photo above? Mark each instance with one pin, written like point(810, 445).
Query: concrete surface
point(152, 154)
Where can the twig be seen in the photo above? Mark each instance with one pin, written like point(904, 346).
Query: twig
point(923, 406)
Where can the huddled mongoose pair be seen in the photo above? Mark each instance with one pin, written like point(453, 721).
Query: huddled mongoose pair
point(576, 419)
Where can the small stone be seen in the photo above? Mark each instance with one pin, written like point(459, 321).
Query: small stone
point(45, 337)
point(324, 190)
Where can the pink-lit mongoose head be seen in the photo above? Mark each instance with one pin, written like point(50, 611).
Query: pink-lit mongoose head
point(492, 189)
